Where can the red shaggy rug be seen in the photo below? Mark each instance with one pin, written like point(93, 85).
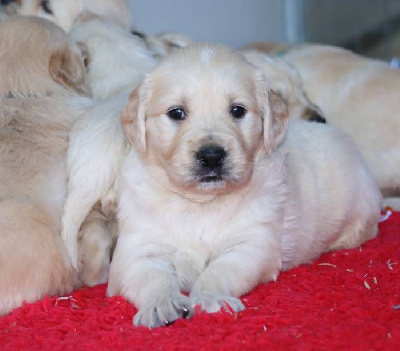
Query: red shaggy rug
point(348, 300)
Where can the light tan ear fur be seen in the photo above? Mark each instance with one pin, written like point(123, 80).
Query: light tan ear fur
point(274, 112)
point(66, 68)
point(278, 122)
point(134, 117)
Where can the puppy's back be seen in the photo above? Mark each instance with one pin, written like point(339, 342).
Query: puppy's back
point(332, 189)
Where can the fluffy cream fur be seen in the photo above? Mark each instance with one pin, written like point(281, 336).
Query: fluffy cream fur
point(97, 148)
point(164, 43)
point(42, 78)
point(285, 79)
point(182, 228)
point(116, 60)
point(360, 96)
point(66, 13)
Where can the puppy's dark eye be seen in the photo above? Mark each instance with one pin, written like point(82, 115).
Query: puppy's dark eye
point(177, 114)
point(46, 7)
point(237, 111)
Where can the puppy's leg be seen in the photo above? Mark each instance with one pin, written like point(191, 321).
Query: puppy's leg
point(33, 261)
point(95, 244)
point(233, 273)
point(143, 273)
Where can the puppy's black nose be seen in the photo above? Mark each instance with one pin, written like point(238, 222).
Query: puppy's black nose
point(6, 2)
point(316, 117)
point(211, 156)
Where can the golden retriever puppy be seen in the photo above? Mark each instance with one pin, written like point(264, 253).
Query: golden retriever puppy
point(91, 178)
point(65, 13)
point(116, 61)
point(214, 199)
point(360, 96)
point(42, 79)
point(285, 80)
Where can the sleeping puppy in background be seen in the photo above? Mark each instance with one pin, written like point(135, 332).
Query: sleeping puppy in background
point(43, 79)
point(285, 80)
point(214, 199)
point(66, 13)
point(116, 61)
point(360, 96)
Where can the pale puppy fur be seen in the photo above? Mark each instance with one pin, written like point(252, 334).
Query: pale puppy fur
point(285, 80)
point(66, 13)
point(360, 96)
point(42, 80)
point(116, 60)
point(92, 181)
point(164, 43)
point(97, 148)
point(273, 206)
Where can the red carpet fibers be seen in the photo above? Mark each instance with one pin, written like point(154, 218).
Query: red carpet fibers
point(348, 300)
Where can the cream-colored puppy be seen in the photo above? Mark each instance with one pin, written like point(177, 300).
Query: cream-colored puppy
point(116, 60)
point(285, 80)
point(42, 78)
point(66, 13)
point(360, 96)
point(93, 176)
point(211, 204)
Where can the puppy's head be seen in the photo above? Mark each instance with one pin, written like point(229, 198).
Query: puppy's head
point(115, 59)
point(65, 13)
point(37, 58)
point(202, 117)
point(286, 81)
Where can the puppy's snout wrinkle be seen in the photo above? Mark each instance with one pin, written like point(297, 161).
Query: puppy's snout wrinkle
point(211, 156)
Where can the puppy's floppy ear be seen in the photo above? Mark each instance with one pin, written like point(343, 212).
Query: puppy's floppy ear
point(276, 126)
point(134, 117)
point(274, 112)
point(66, 68)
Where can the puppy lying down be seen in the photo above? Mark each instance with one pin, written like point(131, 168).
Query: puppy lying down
point(97, 142)
point(42, 80)
point(214, 196)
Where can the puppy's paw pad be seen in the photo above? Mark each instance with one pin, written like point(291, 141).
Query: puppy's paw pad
point(214, 303)
point(163, 312)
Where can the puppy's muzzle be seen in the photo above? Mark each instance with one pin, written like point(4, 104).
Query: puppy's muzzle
point(210, 160)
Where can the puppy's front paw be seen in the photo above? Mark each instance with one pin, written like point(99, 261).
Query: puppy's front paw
point(163, 312)
point(212, 303)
